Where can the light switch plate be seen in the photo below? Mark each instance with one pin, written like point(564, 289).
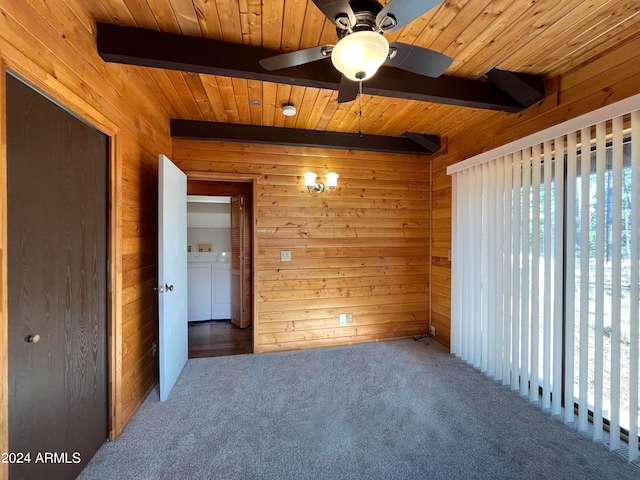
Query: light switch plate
point(285, 255)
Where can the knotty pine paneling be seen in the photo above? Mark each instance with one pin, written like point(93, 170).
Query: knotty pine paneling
point(363, 249)
point(605, 80)
point(52, 45)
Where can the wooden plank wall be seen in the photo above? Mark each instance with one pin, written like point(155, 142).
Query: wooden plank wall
point(362, 250)
point(605, 80)
point(52, 45)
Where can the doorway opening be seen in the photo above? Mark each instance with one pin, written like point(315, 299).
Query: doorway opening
point(220, 252)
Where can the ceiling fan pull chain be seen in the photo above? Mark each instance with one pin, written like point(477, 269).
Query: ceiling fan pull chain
point(360, 115)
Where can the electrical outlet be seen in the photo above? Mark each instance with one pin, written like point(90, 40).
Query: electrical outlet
point(343, 319)
point(285, 255)
point(154, 348)
point(432, 330)
point(349, 318)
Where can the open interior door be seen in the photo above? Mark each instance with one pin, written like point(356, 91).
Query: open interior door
point(172, 273)
point(241, 294)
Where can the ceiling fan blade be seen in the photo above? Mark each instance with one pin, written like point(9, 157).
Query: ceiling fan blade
point(299, 57)
point(419, 60)
point(348, 90)
point(403, 12)
point(338, 11)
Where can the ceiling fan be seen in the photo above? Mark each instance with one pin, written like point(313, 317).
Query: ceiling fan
point(362, 47)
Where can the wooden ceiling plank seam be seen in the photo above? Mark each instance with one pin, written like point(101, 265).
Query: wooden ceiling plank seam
point(168, 103)
point(269, 98)
point(304, 107)
point(607, 40)
point(437, 119)
point(182, 87)
point(208, 18)
point(340, 113)
point(250, 19)
point(391, 124)
point(210, 84)
point(166, 85)
point(525, 28)
point(230, 23)
point(225, 86)
point(165, 16)
point(466, 18)
point(142, 13)
point(292, 24)
point(328, 112)
point(411, 121)
point(272, 14)
point(61, 18)
point(544, 47)
point(448, 12)
point(241, 96)
point(381, 123)
point(96, 12)
point(494, 20)
point(587, 59)
point(482, 27)
point(600, 64)
point(454, 124)
point(77, 9)
point(323, 101)
point(194, 81)
point(376, 108)
point(312, 28)
point(118, 11)
point(255, 94)
point(186, 17)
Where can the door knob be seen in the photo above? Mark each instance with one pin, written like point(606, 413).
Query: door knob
point(35, 338)
point(169, 288)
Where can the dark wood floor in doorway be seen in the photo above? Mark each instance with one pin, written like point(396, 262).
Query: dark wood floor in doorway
point(218, 338)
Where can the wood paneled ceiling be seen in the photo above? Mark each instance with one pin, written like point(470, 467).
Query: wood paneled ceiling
point(540, 37)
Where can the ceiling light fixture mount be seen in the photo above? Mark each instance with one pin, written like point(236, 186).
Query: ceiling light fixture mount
point(319, 187)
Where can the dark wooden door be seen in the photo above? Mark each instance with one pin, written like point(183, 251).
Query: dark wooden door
point(57, 248)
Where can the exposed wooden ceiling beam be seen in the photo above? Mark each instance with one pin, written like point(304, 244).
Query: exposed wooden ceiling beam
point(149, 48)
point(414, 144)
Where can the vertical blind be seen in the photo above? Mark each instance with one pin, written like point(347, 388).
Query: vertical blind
point(545, 274)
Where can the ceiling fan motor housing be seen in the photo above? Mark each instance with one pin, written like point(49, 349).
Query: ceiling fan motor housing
point(365, 12)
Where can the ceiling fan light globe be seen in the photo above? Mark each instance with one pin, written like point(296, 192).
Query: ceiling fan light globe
point(360, 52)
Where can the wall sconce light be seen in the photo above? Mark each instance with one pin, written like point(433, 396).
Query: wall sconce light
point(319, 187)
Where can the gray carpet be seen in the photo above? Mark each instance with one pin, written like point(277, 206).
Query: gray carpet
point(390, 410)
